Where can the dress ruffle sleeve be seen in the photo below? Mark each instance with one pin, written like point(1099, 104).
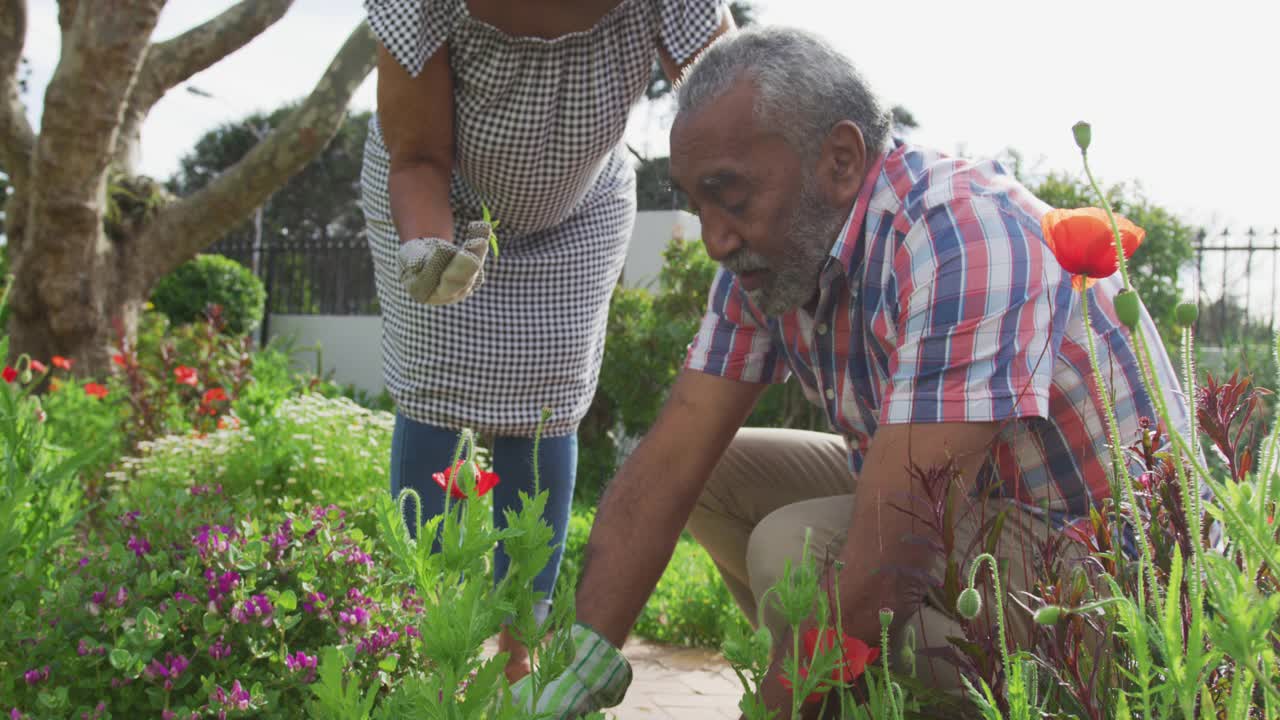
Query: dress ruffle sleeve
point(412, 30)
point(687, 25)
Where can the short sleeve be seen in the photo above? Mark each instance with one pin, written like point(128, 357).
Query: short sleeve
point(412, 30)
point(980, 317)
point(688, 25)
point(731, 342)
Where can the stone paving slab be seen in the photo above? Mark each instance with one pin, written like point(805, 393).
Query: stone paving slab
point(672, 683)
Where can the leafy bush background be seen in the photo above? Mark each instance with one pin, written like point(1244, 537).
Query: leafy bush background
point(212, 279)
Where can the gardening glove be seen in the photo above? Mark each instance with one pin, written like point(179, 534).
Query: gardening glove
point(597, 678)
point(438, 272)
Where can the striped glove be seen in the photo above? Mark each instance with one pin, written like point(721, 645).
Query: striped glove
point(438, 272)
point(597, 678)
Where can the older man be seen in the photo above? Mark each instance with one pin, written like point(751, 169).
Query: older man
point(913, 298)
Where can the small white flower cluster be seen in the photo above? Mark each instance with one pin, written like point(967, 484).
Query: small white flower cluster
point(334, 439)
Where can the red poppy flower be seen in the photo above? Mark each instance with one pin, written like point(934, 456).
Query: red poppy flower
point(857, 656)
point(186, 375)
point(10, 374)
point(61, 362)
point(214, 395)
point(119, 360)
point(95, 390)
point(1082, 241)
point(484, 481)
point(38, 367)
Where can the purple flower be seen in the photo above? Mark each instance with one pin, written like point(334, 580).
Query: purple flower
point(220, 649)
point(355, 556)
point(300, 662)
point(179, 595)
point(99, 597)
point(412, 632)
point(208, 540)
point(353, 617)
point(378, 641)
point(84, 561)
point(314, 601)
point(255, 607)
point(36, 675)
point(237, 699)
point(121, 597)
point(130, 519)
point(139, 546)
point(221, 585)
point(15, 714)
point(171, 669)
point(168, 714)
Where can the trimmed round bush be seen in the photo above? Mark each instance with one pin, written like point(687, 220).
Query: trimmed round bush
point(183, 294)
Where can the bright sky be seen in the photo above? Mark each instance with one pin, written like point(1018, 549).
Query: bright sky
point(1181, 95)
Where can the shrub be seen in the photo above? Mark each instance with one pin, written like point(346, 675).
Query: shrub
point(195, 602)
point(184, 294)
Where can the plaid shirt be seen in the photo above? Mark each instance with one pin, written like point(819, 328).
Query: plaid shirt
point(941, 303)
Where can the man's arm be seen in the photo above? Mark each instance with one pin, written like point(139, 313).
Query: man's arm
point(649, 501)
point(879, 537)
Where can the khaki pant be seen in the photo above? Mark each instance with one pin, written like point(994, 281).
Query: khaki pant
point(773, 485)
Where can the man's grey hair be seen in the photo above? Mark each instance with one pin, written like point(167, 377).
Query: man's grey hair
point(804, 86)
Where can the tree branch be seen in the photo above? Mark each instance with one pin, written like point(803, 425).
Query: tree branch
point(175, 60)
point(16, 137)
point(190, 225)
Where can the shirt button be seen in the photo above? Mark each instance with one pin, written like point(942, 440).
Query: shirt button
point(822, 328)
point(831, 394)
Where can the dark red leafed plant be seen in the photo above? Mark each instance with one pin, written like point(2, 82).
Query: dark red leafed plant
point(1227, 414)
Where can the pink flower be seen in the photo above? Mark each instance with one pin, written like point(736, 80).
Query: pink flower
point(61, 362)
point(36, 676)
point(301, 662)
point(252, 609)
point(139, 546)
point(314, 601)
point(219, 649)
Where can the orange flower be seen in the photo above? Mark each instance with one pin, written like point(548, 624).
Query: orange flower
point(857, 656)
point(484, 481)
point(1082, 241)
point(95, 390)
point(186, 375)
point(61, 362)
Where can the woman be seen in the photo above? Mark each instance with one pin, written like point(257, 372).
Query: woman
point(518, 107)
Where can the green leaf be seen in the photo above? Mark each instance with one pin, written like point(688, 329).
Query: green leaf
point(213, 624)
point(120, 658)
point(388, 663)
point(147, 616)
point(287, 600)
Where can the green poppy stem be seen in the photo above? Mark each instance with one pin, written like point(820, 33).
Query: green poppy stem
point(1115, 228)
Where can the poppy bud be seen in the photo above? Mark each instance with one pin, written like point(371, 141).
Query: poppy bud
point(1127, 308)
point(969, 604)
point(886, 617)
point(1083, 133)
point(1186, 314)
point(1048, 615)
point(25, 376)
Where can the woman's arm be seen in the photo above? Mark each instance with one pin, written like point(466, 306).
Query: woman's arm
point(416, 115)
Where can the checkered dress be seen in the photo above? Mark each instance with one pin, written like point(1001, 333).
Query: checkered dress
point(942, 303)
point(538, 127)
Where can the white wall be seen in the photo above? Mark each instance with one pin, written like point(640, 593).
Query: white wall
point(352, 344)
point(654, 229)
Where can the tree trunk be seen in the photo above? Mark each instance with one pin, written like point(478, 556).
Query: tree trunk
point(79, 282)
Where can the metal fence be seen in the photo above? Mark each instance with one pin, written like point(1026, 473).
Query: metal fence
point(326, 276)
point(1235, 279)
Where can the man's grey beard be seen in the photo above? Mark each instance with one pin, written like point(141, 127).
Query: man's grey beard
point(810, 233)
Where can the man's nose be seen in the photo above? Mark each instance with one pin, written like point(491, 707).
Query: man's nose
point(720, 238)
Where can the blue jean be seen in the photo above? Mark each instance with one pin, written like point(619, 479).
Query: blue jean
point(418, 450)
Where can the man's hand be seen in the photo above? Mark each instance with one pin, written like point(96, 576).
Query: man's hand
point(597, 678)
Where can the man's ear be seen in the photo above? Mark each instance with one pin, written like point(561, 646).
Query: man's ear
point(842, 165)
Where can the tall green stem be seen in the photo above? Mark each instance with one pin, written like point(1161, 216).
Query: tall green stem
point(1115, 229)
point(999, 599)
point(1119, 473)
